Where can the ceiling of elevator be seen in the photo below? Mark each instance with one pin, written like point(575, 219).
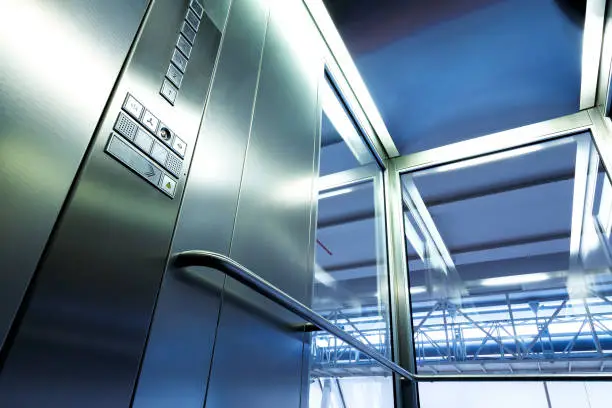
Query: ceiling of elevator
point(448, 70)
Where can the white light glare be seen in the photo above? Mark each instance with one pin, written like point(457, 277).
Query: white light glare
point(515, 279)
point(335, 193)
point(415, 290)
point(342, 123)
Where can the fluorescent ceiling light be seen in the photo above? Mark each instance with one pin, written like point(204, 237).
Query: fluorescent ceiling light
point(415, 290)
point(515, 279)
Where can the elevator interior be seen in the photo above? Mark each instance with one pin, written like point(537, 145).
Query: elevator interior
point(133, 131)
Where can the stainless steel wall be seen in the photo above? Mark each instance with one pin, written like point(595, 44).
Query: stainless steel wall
point(177, 361)
point(83, 327)
point(250, 195)
point(259, 347)
point(58, 64)
point(92, 330)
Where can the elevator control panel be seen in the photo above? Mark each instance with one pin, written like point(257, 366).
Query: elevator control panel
point(182, 52)
point(146, 145)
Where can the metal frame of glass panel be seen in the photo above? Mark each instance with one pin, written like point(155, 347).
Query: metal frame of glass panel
point(595, 91)
point(591, 120)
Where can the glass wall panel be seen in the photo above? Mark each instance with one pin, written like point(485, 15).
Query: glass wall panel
point(351, 283)
point(342, 377)
point(342, 144)
point(509, 261)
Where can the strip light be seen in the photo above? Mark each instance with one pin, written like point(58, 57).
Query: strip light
point(515, 279)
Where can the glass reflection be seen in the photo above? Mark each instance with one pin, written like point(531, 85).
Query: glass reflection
point(509, 259)
point(342, 145)
point(351, 288)
point(341, 377)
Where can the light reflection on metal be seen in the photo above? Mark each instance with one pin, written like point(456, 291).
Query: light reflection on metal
point(347, 67)
point(592, 39)
point(341, 121)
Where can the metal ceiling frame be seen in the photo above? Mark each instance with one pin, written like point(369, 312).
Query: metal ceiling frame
point(592, 40)
point(596, 72)
point(343, 70)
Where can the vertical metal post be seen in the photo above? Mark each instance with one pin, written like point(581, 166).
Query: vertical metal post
point(592, 326)
point(326, 397)
point(601, 130)
point(406, 393)
point(511, 314)
point(382, 264)
point(448, 350)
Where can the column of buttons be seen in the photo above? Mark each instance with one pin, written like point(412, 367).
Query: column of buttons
point(182, 51)
point(151, 137)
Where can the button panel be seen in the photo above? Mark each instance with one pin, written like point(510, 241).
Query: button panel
point(165, 134)
point(183, 45)
point(174, 75)
point(137, 143)
point(168, 91)
point(133, 107)
point(143, 140)
point(193, 20)
point(197, 8)
point(174, 165)
point(167, 185)
point(182, 52)
point(179, 60)
point(179, 146)
point(188, 32)
point(150, 121)
point(159, 153)
point(126, 126)
point(132, 158)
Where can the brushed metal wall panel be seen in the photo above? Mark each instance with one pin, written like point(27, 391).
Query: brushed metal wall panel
point(259, 346)
point(178, 355)
point(217, 10)
point(58, 64)
point(83, 331)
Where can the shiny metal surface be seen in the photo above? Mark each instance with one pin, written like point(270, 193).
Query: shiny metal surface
point(272, 232)
point(343, 68)
point(348, 177)
point(217, 11)
point(406, 394)
point(537, 132)
point(83, 330)
point(243, 275)
point(592, 39)
point(248, 278)
point(605, 65)
point(186, 315)
point(48, 117)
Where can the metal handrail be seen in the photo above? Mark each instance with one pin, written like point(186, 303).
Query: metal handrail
point(243, 275)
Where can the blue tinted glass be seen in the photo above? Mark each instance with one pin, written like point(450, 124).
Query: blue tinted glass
point(509, 257)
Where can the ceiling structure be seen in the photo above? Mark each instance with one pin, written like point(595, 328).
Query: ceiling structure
point(445, 71)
